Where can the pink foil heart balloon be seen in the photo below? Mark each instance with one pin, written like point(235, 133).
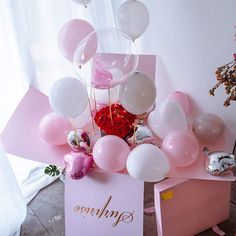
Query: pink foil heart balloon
point(78, 164)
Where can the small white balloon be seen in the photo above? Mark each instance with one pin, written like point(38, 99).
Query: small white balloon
point(82, 2)
point(148, 163)
point(68, 97)
point(138, 93)
point(167, 118)
point(133, 18)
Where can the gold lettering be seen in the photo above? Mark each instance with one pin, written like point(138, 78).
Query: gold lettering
point(76, 208)
point(93, 211)
point(115, 213)
point(85, 210)
point(105, 206)
point(125, 217)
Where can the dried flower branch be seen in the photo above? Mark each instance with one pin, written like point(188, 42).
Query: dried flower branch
point(226, 75)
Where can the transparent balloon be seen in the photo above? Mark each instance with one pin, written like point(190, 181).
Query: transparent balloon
point(106, 58)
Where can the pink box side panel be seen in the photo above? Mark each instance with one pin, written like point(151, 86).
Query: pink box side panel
point(196, 206)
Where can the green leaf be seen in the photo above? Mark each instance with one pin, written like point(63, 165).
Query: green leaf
point(52, 170)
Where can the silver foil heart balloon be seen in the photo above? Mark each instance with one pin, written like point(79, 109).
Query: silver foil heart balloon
point(141, 135)
point(219, 162)
point(79, 140)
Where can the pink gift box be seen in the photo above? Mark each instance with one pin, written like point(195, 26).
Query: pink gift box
point(187, 207)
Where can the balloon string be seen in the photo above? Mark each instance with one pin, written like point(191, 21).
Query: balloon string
point(94, 98)
point(90, 107)
point(91, 115)
point(134, 136)
point(89, 102)
point(76, 136)
point(109, 97)
point(234, 147)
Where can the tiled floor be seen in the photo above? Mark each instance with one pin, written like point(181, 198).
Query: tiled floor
point(46, 214)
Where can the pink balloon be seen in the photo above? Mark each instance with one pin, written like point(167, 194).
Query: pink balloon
point(110, 153)
point(53, 129)
point(182, 99)
point(71, 35)
point(78, 164)
point(181, 148)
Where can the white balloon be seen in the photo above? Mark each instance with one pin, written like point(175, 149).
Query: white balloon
point(83, 118)
point(148, 163)
point(167, 118)
point(133, 18)
point(68, 97)
point(138, 93)
point(82, 2)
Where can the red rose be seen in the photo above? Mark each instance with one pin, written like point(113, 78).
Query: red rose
point(122, 124)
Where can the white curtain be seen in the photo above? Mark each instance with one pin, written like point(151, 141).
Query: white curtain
point(12, 203)
point(44, 18)
point(29, 56)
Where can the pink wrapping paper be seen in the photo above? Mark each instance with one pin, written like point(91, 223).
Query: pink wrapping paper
point(21, 137)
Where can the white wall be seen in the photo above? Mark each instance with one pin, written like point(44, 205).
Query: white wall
point(192, 38)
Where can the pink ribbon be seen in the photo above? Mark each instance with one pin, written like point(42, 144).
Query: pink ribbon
point(149, 211)
point(218, 231)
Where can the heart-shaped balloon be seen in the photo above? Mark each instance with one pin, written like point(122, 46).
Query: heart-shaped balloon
point(219, 162)
point(169, 117)
point(78, 164)
point(79, 140)
point(141, 135)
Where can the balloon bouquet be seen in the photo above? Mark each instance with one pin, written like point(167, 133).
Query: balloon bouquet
point(106, 115)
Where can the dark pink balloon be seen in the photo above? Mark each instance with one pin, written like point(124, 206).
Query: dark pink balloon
point(70, 36)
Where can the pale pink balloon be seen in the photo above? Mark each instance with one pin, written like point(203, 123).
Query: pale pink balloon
point(110, 153)
point(181, 148)
point(70, 36)
point(182, 99)
point(54, 128)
